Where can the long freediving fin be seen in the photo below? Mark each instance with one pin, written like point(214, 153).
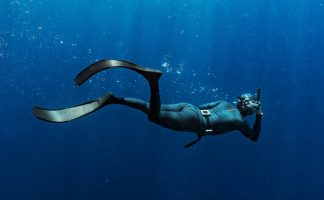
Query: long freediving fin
point(69, 114)
point(107, 64)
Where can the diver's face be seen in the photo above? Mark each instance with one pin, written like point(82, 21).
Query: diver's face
point(247, 104)
point(251, 105)
point(246, 109)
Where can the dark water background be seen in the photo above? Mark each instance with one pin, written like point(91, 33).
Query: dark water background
point(208, 50)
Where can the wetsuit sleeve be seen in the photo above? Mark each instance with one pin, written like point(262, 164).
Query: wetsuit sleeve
point(254, 133)
point(209, 105)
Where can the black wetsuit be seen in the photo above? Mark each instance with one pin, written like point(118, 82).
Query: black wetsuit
point(224, 117)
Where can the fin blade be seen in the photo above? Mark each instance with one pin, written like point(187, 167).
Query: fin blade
point(65, 115)
point(101, 65)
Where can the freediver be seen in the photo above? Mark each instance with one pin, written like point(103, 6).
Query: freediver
point(208, 119)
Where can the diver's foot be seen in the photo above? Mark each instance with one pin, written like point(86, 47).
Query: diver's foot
point(149, 74)
point(105, 99)
point(109, 98)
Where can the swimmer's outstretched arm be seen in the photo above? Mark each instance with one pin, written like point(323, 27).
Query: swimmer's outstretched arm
point(209, 105)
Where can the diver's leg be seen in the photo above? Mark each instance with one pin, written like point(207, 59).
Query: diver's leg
point(173, 107)
point(166, 112)
point(131, 102)
point(145, 106)
point(181, 117)
point(150, 74)
point(155, 102)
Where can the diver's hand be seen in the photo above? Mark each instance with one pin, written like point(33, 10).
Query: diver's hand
point(258, 111)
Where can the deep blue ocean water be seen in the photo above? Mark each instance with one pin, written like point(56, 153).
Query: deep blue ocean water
point(208, 50)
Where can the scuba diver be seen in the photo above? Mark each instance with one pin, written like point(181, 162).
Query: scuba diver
point(208, 119)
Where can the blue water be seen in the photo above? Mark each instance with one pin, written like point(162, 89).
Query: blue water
point(208, 50)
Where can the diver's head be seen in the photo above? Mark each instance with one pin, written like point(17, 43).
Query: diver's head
point(247, 104)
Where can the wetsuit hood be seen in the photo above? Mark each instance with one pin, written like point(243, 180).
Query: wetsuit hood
point(247, 104)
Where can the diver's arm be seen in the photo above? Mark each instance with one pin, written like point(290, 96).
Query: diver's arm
point(252, 134)
point(209, 105)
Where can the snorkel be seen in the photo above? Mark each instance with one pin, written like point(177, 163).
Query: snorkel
point(258, 94)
